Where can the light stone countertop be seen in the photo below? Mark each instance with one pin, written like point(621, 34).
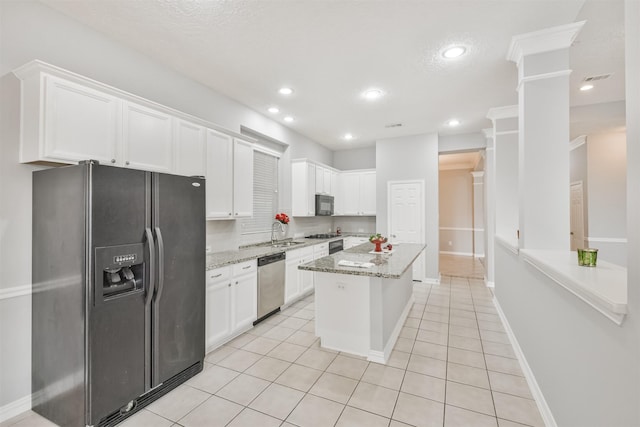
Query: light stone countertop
point(221, 259)
point(387, 266)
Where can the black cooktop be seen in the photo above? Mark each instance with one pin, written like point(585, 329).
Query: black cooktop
point(323, 236)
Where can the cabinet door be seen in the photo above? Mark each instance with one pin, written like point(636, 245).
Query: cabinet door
point(319, 180)
point(351, 195)
point(218, 304)
point(311, 189)
point(367, 196)
point(326, 179)
point(305, 277)
point(292, 281)
point(242, 179)
point(334, 187)
point(219, 175)
point(189, 146)
point(79, 123)
point(147, 141)
point(245, 301)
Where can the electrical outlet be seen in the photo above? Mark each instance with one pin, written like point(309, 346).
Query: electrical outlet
point(360, 230)
point(450, 243)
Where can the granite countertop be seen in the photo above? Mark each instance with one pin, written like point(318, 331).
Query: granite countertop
point(387, 266)
point(221, 259)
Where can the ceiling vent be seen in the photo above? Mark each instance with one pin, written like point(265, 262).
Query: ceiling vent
point(596, 78)
point(393, 125)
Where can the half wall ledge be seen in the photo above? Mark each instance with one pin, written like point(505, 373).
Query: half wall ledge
point(603, 287)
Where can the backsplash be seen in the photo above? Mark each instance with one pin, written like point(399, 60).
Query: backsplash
point(226, 235)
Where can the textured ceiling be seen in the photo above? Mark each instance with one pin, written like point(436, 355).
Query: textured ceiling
point(331, 51)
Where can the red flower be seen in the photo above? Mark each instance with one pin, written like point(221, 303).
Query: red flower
point(283, 218)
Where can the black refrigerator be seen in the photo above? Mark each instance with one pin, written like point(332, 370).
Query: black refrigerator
point(118, 300)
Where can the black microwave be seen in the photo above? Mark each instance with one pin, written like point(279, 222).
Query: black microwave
point(324, 205)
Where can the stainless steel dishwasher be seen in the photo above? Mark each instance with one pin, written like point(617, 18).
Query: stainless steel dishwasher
point(271, 276)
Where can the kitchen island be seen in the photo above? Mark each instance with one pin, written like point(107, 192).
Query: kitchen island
point(361, 310)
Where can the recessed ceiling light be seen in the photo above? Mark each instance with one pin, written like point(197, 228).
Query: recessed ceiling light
point(348, 136)
point(453, 122)
point(372, 94)
point(454, 52)
point(285, 91)
point(273, 110)
point(288, 119)
point(586, 87)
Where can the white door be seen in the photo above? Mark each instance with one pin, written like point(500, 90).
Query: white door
point(292, 280)
point(577, 216)
point(406, 217)
point(351, 194)
point(147, 138)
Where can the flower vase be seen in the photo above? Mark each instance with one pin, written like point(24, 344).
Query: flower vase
point(378, 246)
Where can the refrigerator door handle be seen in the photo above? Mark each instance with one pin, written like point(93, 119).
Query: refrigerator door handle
point(160, 263)
point(152, 266)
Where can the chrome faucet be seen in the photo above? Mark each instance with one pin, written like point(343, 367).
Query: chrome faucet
point(273, 231)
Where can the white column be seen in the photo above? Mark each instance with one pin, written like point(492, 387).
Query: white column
point(478, 213)
point(489, 207)
point(505, 131)
point(543, 103)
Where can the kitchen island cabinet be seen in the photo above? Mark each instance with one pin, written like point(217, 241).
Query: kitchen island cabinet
point(362, 310)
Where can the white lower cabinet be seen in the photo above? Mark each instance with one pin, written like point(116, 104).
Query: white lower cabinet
point(297, 282)
point(232, 302)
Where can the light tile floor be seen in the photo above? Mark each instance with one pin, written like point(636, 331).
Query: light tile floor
point(452, 366)
point(461, 266)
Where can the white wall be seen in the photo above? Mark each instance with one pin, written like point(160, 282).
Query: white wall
point(30, 30)
point(357, 158)
point(456, 211)
point(607, 195)
point(408, 158)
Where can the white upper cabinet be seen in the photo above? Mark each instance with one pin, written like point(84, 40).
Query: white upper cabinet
point(219, 175)
point(356, 195)
point(66, 118)
point(229, 177)
point(303, 188)
point(367, 193)
point(242, 178)
point(190, 148)
point(147, 138)
point(64, 122)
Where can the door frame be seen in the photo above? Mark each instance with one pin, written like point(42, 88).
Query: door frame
point(423, 239)
point(584, 237)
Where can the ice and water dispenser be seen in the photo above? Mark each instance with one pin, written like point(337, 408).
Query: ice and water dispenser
point(118, 270)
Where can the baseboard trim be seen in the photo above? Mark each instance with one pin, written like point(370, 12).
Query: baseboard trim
point(489, 284)
point(15, 408)
point(432, 281)
point(383, 356)
point(457, 253)
point(543, 407)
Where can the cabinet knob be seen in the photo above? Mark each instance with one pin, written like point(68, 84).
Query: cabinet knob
point(229, 285)
point(113, 160)
point(229, 213)
point(236, 283)
point(236, 213)
point(127, 162)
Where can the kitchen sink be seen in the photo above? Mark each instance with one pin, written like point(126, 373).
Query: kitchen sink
point(285, 244)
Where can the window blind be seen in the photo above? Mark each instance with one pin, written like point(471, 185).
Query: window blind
point(265, 194)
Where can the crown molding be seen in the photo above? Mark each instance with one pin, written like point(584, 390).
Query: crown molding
point(488, 132)
point(546, 40)
point(502, 112)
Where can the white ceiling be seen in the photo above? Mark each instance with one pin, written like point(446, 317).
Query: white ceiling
point(331, 51)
